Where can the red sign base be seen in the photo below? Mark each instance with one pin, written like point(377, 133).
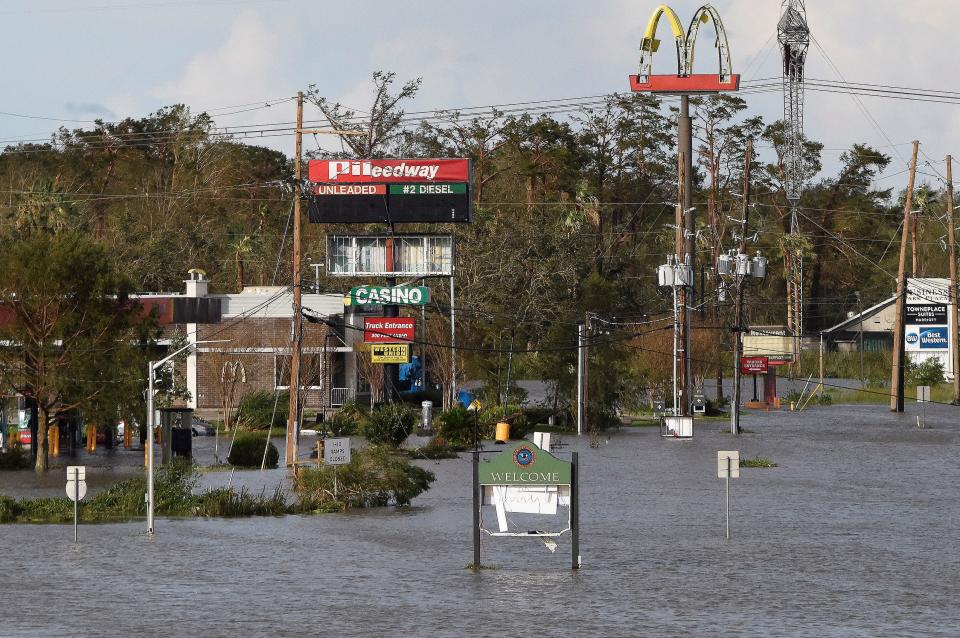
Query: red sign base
point(697, 83)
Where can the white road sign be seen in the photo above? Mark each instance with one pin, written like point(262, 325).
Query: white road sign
point(75, 474)
point(336, 451)
point(923, 393)
point(734, 456)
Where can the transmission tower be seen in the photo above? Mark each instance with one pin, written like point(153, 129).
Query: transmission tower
point(794, 37)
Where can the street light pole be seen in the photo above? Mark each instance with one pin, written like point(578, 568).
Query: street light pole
point(152, 367)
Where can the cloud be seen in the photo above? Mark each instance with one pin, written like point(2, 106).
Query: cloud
point(89, 108)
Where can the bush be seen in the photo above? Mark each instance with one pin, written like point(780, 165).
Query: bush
point(390, 424)
point(247, 451)
point(340, 424)
point(225, 502)
point(15, 459)
point(375, 477)
point(256, 408)
point(455, 427)
point(930, 372)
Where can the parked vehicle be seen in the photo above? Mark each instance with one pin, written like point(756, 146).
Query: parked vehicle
point(201, 427)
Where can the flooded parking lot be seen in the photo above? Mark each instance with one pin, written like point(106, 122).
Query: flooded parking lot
point(854, 533)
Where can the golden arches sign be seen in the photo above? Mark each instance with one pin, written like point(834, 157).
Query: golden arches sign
point(685, 80)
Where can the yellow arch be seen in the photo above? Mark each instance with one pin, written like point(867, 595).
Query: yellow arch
point(650, 42)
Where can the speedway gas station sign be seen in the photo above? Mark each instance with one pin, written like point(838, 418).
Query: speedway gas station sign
point(390, 191)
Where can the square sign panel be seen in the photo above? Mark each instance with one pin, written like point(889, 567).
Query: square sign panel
point(390, 191)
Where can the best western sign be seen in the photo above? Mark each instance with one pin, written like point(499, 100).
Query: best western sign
point(387, 170)
point(389, 296)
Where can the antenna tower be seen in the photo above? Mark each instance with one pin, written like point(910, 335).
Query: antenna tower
point(794, 37)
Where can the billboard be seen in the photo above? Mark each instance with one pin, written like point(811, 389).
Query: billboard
point(922, 338)
point(388, 329)
point(775, 343)
point(390, 255)
point(387, 295)
point(390, 353)
point(754, 365)
point(389, 191)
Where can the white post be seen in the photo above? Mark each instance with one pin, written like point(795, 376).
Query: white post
point(76, 503)
point(728, 498)
point(676, 326)
point(453, 347)
point(580, 329)
point(149, 443)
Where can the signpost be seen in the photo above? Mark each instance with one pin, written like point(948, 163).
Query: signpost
point(923, 397)
point(390, 353)
point(527, 479)
point(76, 490)
point(336, 452)
point(728, 467)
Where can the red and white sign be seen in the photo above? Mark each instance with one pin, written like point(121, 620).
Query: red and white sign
point(389, 171)
point(388, 329)
point(350, 189)
point(754, 365)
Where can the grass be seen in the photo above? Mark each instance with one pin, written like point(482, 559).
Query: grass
point(757, 461)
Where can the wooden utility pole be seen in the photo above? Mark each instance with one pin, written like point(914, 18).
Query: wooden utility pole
point(953, 284)
point(293, 419)
point(896, 374)
point(738, 300)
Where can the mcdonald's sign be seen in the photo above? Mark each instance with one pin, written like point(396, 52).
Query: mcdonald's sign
point(685, 81)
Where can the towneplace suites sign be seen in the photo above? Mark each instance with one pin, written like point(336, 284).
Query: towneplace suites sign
point(389, 191)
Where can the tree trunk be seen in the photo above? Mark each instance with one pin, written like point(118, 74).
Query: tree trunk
point(43, 462)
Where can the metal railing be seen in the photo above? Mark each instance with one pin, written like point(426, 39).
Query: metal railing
point(340, 396)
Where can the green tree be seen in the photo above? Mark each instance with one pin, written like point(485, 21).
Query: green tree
point(75, 341)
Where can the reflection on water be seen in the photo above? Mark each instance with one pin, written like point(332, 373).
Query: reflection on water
point(854, 534)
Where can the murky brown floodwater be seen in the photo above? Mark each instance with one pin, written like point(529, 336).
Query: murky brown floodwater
point(855, 534)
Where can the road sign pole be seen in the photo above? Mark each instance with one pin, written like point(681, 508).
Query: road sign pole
point(476, 510)
point(575, 511)
point(150, 371)
point(728, 498)
point(76, 504)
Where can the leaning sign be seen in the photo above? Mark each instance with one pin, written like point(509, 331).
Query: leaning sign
point(526, 479)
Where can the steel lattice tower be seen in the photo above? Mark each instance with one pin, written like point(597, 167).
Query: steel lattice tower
point(794, 37)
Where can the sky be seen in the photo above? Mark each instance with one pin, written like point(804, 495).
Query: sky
point(72, 61)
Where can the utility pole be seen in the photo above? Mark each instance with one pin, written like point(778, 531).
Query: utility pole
point(896, 374)
point(293, 419)
point(738, 312)
point(580, 340)
point(953, 283)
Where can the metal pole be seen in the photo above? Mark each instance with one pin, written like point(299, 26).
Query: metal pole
point(737, 356)
point(453, 345)
point(575, 511)
point(76, 503)
point(150, 448)
point(476, 510)
point(821, 365)
point(579, 378)
point(728, 498)
point(685, 140)
point(676, 327)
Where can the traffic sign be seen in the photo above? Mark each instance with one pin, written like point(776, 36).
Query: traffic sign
point(336, 451)
point(76, 482)
point(734, 465)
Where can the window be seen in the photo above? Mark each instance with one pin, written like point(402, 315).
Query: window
point(311, 371)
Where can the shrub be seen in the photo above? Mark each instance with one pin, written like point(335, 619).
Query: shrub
point(930, 372)
point(455, 427)
point(341, 424)
point(390, 424)
point(15, 459)
point(256, 408)
point(375, 477)
point(247, 451)
point(226, 502)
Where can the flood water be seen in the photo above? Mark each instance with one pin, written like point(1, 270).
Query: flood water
point(854, 534)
